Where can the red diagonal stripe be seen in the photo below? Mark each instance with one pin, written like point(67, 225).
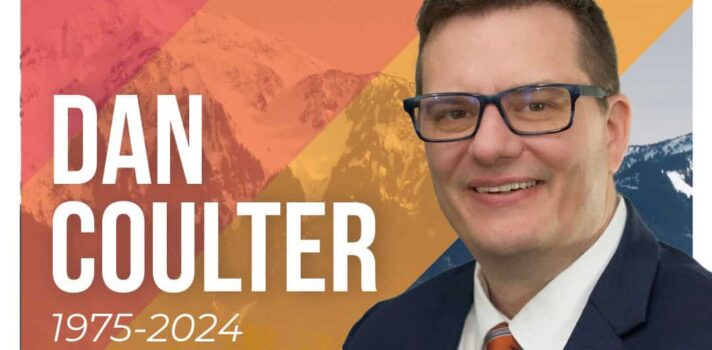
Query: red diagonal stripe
point(85, 47)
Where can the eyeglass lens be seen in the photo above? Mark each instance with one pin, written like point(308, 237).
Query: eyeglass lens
point(526, 110)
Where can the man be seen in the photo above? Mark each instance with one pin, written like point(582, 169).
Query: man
point(524, 126)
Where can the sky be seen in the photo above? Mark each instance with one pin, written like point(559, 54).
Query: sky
point(659, 86)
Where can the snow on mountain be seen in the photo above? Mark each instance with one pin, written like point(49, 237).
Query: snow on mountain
point(678, 181)
point(264, 99)
point(679, 145)
point(276, 95)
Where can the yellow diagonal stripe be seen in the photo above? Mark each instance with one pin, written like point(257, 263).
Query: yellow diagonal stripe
point(637, 24)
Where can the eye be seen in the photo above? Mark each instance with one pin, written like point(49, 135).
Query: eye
point(455, 114)
point(536, 106)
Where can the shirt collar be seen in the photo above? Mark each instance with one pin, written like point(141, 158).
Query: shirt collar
point(547, 320)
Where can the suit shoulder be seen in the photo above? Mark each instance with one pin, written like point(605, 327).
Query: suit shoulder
point(388, 322)
point(679, 311)
point(682, 292)
point(678, 268)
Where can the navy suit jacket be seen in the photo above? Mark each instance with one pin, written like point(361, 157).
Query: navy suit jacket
point(650, 296)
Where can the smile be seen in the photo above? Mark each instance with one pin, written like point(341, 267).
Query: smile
point(506, 188)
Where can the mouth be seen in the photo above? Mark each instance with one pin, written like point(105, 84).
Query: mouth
point(505, 193)
point(507, 187)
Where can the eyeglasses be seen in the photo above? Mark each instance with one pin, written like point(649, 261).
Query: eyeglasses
point(528, 110)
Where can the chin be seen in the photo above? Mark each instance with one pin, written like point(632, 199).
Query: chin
point(496, 240)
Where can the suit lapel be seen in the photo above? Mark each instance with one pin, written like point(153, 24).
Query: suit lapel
point(619, 301)
point(447, 319)
point(593, 332)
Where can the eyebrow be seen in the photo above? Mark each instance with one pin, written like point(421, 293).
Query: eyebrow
point(535, 82)
point(510, 87)
point(517, 85)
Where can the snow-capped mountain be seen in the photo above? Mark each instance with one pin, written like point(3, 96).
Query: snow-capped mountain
point(263, 100)
point(657, 178)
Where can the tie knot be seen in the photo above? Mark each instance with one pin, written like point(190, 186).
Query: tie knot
point(500, 338)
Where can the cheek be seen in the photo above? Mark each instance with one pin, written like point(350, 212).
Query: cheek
point(578, 153)
point(443, 160)
point(558, 154)
point(578, 168)
point(570, 165)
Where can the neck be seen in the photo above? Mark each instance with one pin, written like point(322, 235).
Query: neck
point(514, 280)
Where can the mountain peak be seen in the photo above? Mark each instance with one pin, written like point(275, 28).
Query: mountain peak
point(665, 148)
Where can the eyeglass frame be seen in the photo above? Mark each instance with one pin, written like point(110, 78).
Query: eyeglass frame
point(575, 91)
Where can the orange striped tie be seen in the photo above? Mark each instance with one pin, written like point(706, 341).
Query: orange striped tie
point(499, 338)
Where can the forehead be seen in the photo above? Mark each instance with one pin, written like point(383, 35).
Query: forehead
point(500, 49)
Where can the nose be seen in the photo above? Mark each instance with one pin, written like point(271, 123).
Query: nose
point(494, 143)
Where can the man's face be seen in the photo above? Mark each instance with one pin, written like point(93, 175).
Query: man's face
point(497, 51)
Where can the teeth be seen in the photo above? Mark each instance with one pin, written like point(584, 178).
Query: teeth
point(506, 187)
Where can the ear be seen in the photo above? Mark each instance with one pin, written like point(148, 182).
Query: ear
point(617, 130)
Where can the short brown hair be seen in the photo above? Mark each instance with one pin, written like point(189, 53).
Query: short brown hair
point(597, 52)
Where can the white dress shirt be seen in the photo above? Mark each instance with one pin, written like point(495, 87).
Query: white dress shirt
point(547, 320)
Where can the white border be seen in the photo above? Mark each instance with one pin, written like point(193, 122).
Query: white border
point(702, 140)
point(10, 173)
point(10, 143)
